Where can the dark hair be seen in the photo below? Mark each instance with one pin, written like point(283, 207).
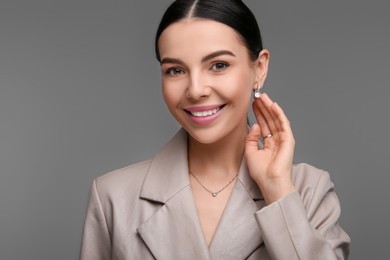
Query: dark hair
point(233, 13)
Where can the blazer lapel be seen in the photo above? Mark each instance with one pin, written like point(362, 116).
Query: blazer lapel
point(173, 231)
point(237, 235)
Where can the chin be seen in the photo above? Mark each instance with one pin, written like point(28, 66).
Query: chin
point(204, 139)
point(209, 135)
point(202, 135)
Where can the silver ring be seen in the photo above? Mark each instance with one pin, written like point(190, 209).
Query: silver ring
point(265, 137)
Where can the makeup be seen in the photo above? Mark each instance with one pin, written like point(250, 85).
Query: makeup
point(204, 115)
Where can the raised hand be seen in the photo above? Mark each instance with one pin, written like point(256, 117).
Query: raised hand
point(270, 166)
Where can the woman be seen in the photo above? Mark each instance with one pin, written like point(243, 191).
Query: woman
point(211, 192)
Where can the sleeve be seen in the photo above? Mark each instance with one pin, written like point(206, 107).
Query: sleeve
point(96, 241)
point(292, 230)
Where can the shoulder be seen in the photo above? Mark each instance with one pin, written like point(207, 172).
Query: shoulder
point(311, 183)
point(304, 174)
point(126, 179)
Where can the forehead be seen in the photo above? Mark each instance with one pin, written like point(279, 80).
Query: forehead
point(191, 38)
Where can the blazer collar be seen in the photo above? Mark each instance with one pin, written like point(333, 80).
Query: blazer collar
point(169, 169)
point(174, 230)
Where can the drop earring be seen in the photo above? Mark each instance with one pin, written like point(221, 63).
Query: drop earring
point(257, 91)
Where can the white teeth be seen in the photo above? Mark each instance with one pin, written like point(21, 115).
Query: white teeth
point(205, 113)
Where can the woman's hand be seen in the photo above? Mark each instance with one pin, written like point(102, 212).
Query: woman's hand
point(270, 166)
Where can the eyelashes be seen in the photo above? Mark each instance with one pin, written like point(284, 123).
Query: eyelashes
point(176, 71)
point(219, 66)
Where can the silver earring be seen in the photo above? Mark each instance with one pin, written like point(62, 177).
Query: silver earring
point(257, 91)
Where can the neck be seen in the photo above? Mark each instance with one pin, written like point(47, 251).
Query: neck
point(220, 159)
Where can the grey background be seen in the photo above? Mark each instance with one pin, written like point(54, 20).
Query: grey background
point(80, 96)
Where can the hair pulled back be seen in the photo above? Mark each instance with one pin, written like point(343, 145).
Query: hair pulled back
point(233, 13)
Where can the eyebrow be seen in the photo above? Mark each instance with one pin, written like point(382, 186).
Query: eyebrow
point(216, 54)
point(204, 59)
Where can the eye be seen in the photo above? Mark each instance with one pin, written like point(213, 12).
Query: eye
point(174, 71)
point(219, 66)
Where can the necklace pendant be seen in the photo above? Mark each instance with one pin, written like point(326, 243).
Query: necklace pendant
point(214, 194)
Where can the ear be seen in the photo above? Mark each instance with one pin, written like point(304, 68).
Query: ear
point(261, 68)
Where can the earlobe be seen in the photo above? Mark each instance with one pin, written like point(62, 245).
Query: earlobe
point(261, 71)
point(257, 91)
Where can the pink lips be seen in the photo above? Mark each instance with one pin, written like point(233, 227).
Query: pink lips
point(203, 120)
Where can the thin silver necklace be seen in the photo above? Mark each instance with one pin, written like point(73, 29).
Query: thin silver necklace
point(213, 193)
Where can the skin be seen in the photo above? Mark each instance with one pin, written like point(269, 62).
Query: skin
point(205, 62)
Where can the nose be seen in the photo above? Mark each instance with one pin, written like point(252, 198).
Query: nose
point(197, 87)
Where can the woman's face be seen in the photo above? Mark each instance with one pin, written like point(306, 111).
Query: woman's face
point(207, 78)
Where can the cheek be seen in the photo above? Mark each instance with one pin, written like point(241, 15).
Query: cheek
point(167, 95)
point(239, 86)
point(171, 95)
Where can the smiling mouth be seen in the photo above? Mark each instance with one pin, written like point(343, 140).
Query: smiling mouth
point(205, 113)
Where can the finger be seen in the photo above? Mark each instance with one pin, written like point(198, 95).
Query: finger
point(266, 135)
point(284, 123)
point(286, 137)
point(274, 115)
point(261, 120)
point(265, 104)
point(281, 117)
point(252, 139)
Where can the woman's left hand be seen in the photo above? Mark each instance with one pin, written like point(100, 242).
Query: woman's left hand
point(270, 166)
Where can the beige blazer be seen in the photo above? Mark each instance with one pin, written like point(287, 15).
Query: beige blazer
point(147, 211)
